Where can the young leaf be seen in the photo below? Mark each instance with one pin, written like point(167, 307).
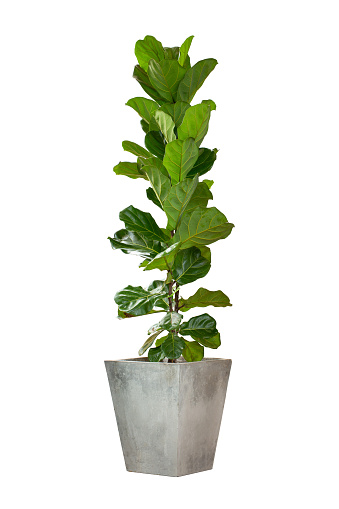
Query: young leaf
point(165, 77)
point(203, 298)
point(138, 221)
point(155, 144)
point(177, 200)
point(160, 183)
point(135, 149)
point(130, 170)
point(180, 157)
point(136, 243)
point(142, 78)
point(164, 260)
point(172, 53)
point(204, 162)
point(199, 327)
point(193, 352)
point(194, 78)
point(136, 300)
point(169, 322)
point(144, 107)
point(149, 342)
point(210, 103)
point(155, 354)
point(189, 266)
point(202, 227)
point(195, 123)
point(166, 125)
point(173, 346)
point(147, 49)
point(184, 49)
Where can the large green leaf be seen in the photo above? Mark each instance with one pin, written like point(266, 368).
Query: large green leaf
point(136, 300)
point(202, 227)
point(203, 298)
point(169, 322)
point(180, 157)
point(166, 125)
point(213, 342)
point(165, 77)
point(193, 352)
point(199, 327)
point(155, 354)
point(136, 243)
point(142, 78)
point(189, 266)
point(195, 123)
point(177, 200)
point(130, 170)
point(184, 49)
point(153, 197)
point(161, 184)
point(138, 221)
point(164, 260)
point(153, 161)
point(144, 107)
point(204, 162)
point(173, 346)
point(155, 144)
point(194, 78)
point(149, 342)
point(172, 53)
point(147, 49)
point(135, 149)
point(200, 197)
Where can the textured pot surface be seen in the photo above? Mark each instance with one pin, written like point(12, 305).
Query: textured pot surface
point(168, 414)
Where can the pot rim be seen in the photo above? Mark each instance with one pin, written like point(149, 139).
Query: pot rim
point(144, 360)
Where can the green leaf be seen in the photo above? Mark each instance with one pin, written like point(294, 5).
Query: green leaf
point(155, 354)
point(136, 243)
point(177, 200)
point(153, 161)
point(155, 144)
point(204, 162)
point(194, 78)
point(144, 125)
point(160, 341)
point(210, 103)
point(142, 78)
point(160, 183)
point(189, 266)
point(202, 227)
point(166, 125)
point(153, 197)
point(195, 123)
point(184, 49)
point(165, 77)
point(164, 260)
point(213, 342)
point(130, 170)
point(172, 53)
point(173, 346)
point(203, 298)
point(136, 300)
point(209, 183)
point(169, 322)
point(176, 111)
point(135, 149)
point(205, 252)
point(147, 49)
point(200, 327)
point(180, 157)
point(149, 342)
point(138, 221)
point(200, 197)
point(193, 352)
point(144, 107)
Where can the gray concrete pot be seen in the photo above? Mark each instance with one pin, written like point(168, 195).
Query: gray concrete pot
point(168, 414)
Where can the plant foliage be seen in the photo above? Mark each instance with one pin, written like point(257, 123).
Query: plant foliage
point(171, 163)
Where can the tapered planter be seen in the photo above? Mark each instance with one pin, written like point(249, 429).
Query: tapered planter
point(168, 414)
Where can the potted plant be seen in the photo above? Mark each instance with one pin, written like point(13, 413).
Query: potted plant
point(169, 405)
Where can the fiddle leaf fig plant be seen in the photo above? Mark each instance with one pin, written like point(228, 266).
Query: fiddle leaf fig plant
point(172, 162)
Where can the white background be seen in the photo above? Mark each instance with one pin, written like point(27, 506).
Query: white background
point(66, 75)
